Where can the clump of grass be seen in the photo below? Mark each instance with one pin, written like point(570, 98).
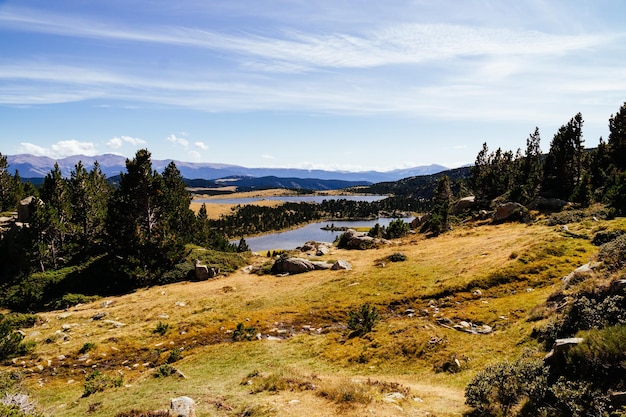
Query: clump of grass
point(396, 257)
point(346, 392)
point(139, 413)
point(86, 348)
point(279, 381)
point(164, 371)
point(175, 355)
point(98, 382)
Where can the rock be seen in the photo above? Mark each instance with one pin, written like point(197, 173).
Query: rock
point(319, 265)
point(393, 397)
point(341, 265)
point(98, 316)
point(292, 266)
point(580, 274)
point(463, 204)
point(618, 399)
point(182, 407)
point(114, 323)
point(322, 250)
point(24, 209)
point(509, 212)
point(619, 285)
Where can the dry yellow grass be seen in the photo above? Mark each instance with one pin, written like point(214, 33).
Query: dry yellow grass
point(309, 312)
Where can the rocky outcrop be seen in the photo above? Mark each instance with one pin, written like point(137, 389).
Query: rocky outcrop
point(547, 203)
point(316, 248)
point(352, 239)
point(24, 209)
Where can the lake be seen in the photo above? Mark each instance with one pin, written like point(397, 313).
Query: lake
point(293, 199)
point(291, 239)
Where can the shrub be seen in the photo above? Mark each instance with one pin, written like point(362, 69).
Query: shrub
point(175, 355)
point(606, 236)
point(70, 300)
point(164, 371)
point(397, 228)
point(362, 321)
point(242, 333)
point(10, 340)
point(500, 387)
point(98, 382)
point(86, 348)
point(346, 392)
point(613, 254)
point(161, 328)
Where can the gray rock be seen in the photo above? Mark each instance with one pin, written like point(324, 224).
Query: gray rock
point(547, 203)
point(182, 407)
point(463, 204)
point(509, 212)
point(341, 265)
point(320, 265)
point(292, 266)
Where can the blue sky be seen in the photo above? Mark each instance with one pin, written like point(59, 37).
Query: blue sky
point(331, 84)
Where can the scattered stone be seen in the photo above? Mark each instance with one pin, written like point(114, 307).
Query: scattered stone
point(182, 407)
point(341, 265)
point(393, 397)
point(98, 316)
point(463, 204)
point(164, 316)
point(107, 303)
point(64, 316)
point(180, 304)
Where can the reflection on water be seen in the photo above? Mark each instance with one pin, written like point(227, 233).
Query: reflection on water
point(293, 238)
point(293, 199)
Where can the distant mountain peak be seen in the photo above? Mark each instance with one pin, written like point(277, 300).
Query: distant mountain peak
point(32, 166)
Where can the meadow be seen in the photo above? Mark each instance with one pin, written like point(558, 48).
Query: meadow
point(261, 345)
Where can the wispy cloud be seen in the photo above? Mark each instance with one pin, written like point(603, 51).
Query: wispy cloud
point(178, 141)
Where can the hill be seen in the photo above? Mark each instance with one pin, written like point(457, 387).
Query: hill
point(31, 166)
point(461, 301)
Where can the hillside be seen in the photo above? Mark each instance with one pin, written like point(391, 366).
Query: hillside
point(435, 307)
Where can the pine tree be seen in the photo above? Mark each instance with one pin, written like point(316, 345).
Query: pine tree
point(528, 171)
point(563, 168)
point(138, 226)
point(617, 138)
point(176, 201)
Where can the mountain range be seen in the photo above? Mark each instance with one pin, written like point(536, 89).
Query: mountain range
point(32, 166)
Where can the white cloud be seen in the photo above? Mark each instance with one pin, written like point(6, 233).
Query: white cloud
point(266, 156)
point(201, 145)
point(118, 141)
point(194, 155)
point(178, 141)
point(60, 149)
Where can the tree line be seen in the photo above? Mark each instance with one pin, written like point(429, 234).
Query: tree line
point(129, 235)
point(568, 171)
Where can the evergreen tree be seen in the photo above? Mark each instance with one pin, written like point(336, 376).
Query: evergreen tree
point(439, 216)
point(51, 218)
point(243, 246)
point(564, 163)
point(89, 193)
point(528, 171)
point(138, 226)
point(617, 138)
point(11, 188)
point(176, 200)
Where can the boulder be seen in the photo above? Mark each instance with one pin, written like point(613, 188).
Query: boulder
point(463, 204)
point(182, 407)
point(24, 209)
point(341, 265)
point(509, 212)
point(292, 266)
point(320, 265)
point(203, 272)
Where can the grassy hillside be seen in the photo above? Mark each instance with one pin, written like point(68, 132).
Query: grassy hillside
point(306, 363)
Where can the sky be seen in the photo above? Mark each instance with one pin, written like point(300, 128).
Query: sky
point(318, 84)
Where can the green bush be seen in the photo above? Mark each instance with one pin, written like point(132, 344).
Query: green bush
point(86, 348)
point(613, 253)
point(363, 320)
point(500, 387)
point(164, 371)
point(242, 333)
point(397, 228)
point(161, 328)
point(10, 340)
point(70, 300)
point(175, 355)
